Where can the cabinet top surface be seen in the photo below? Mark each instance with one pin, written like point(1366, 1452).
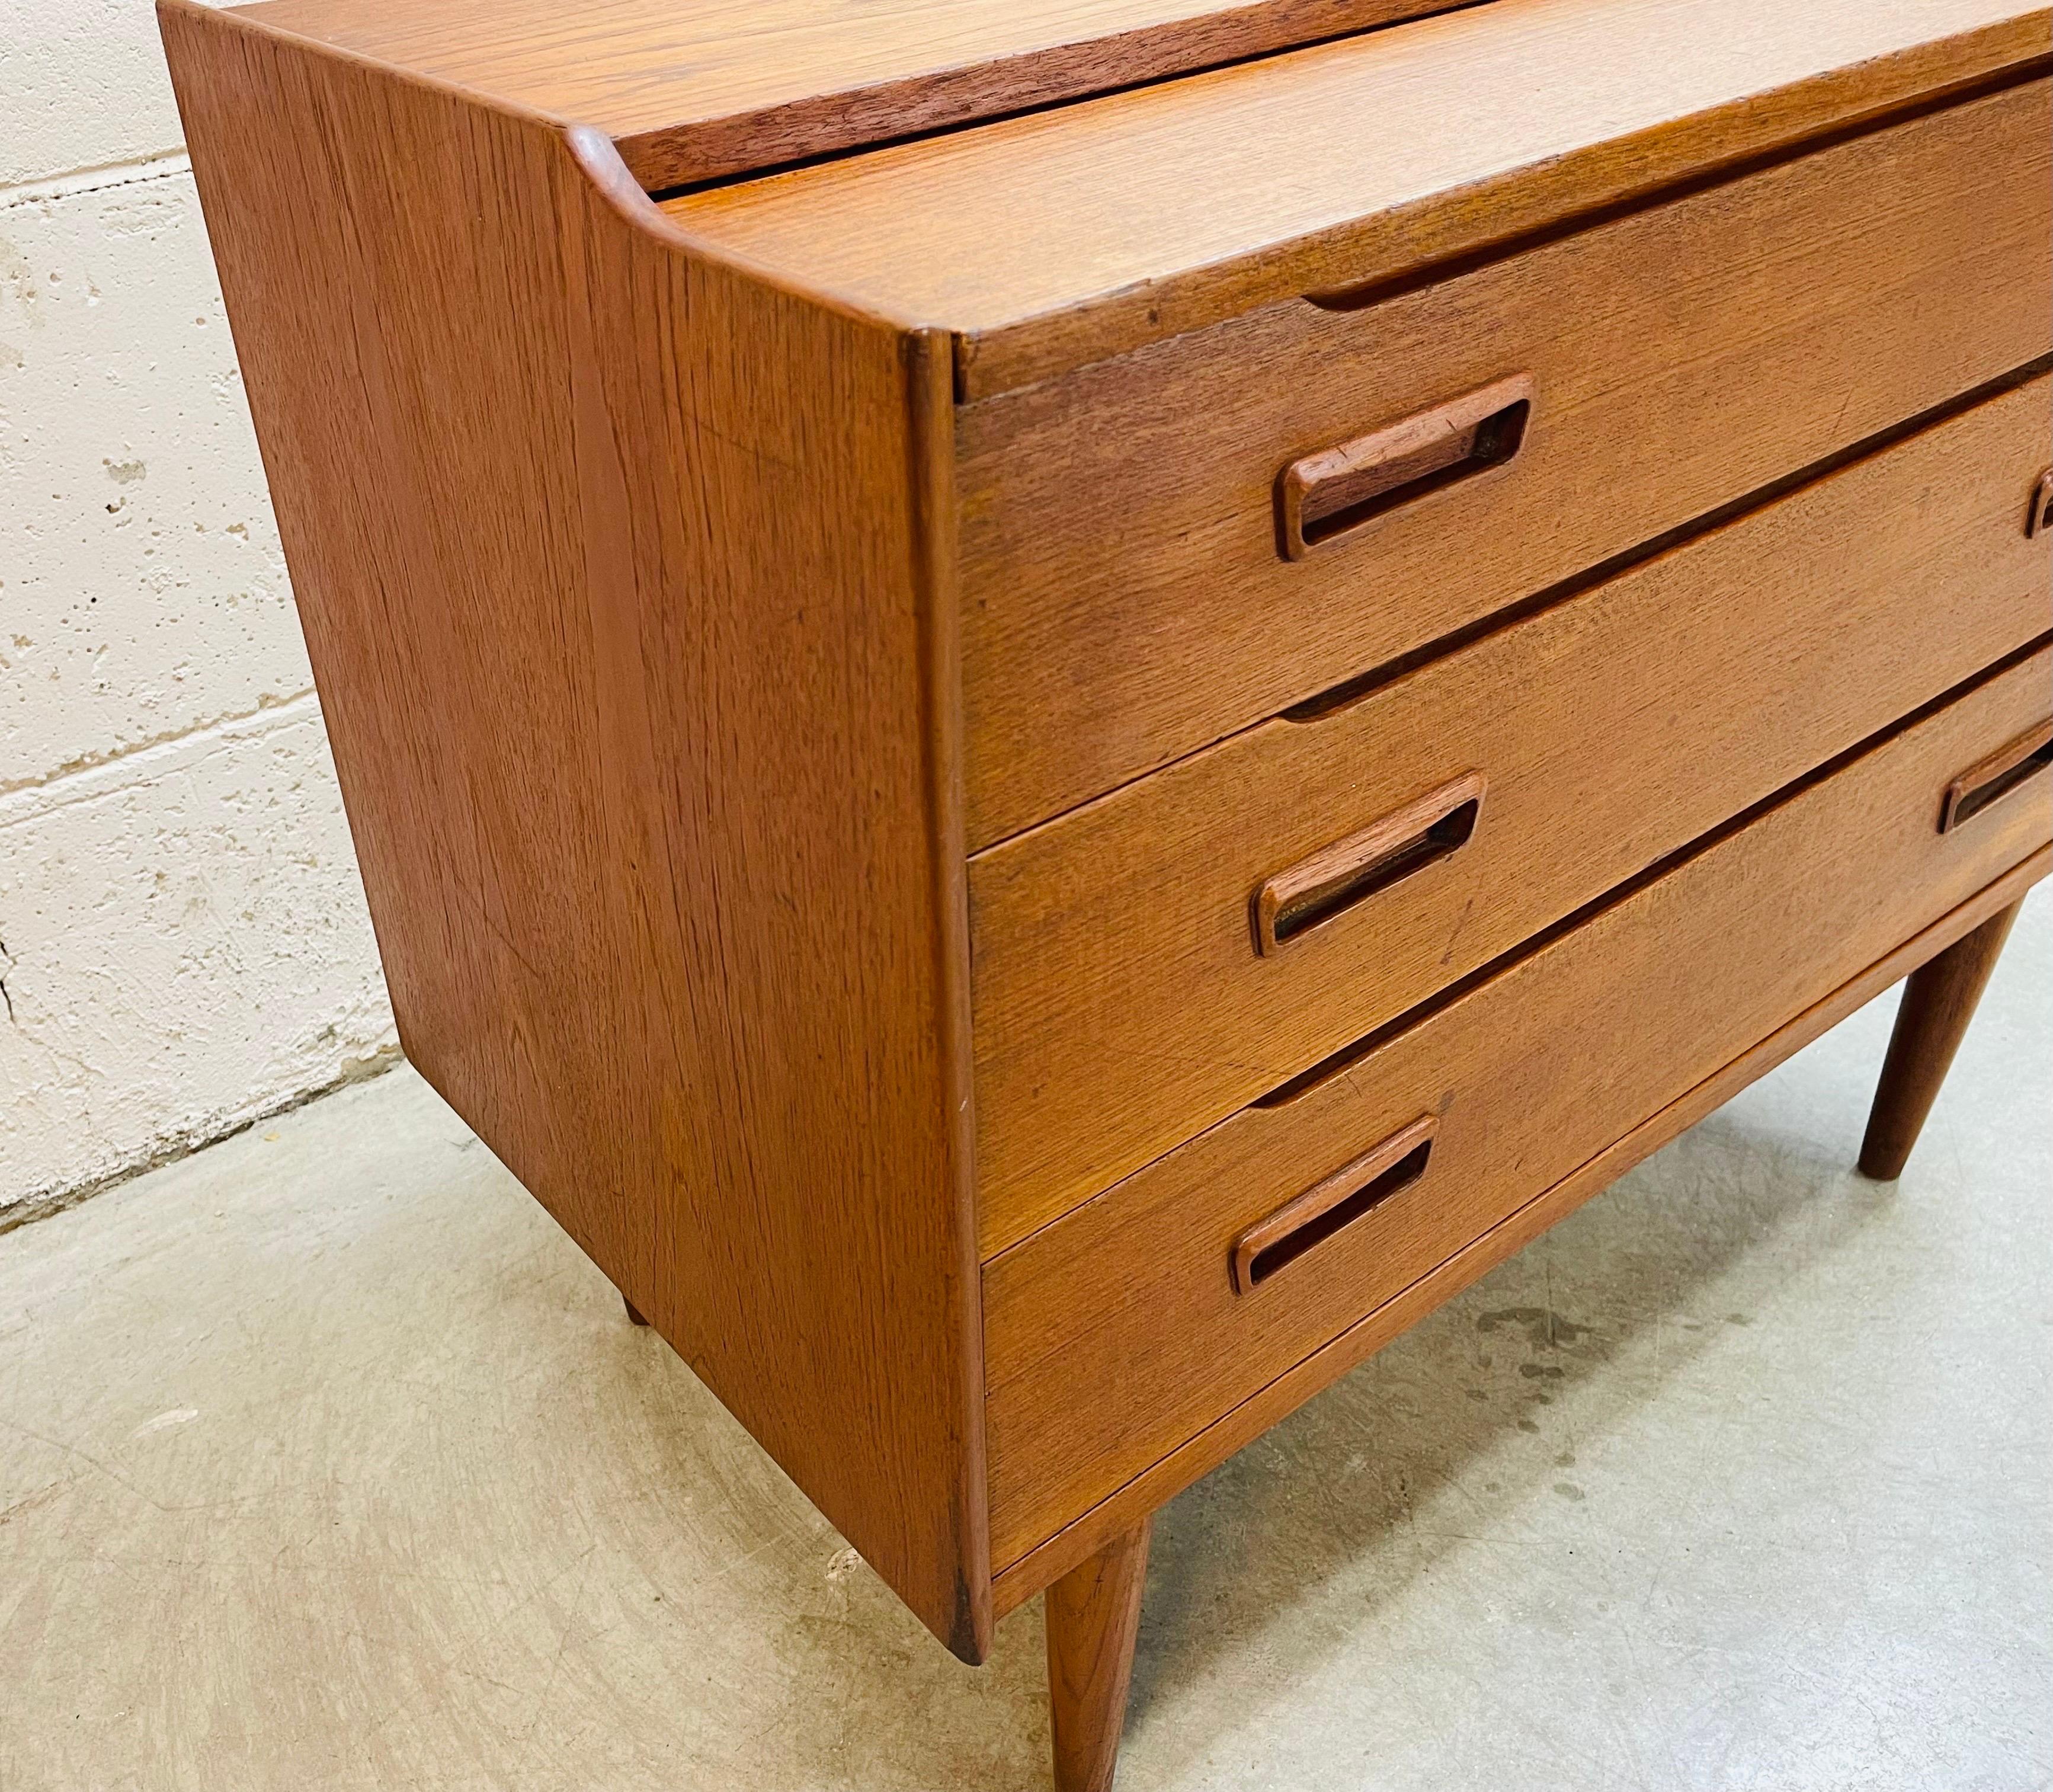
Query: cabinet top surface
point(698, 89)
point(1046, 199)
point(1046, 240)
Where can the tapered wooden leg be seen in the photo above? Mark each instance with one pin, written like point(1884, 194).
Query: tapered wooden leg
point(1938, 1002)
point(633, 1312)
point(1093, 1616)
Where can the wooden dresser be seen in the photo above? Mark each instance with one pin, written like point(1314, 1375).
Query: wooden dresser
point(1053, 708)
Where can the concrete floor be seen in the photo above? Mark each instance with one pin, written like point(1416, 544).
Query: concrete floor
point(327, 1462)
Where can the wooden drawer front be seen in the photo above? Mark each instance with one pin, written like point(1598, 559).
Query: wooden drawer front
point(1115, 1334)
point(1122, 1000)
point(1124, 599)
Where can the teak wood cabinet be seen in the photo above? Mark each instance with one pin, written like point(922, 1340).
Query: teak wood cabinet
point(1053, 708)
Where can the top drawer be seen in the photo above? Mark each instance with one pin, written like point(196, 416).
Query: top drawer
point(1125, 596)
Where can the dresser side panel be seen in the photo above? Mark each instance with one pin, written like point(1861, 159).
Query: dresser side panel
point(619, 574)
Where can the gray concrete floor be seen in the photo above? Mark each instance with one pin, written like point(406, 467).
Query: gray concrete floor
point(327, 1462)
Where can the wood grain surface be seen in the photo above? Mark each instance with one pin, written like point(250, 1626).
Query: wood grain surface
point(1148, 1491)
point(1116, 1334)
point(695, 91)
point(652, 781)
point(1124, 602)
point(1120, 1003)
point(1061, 238)
point(1093, 1620)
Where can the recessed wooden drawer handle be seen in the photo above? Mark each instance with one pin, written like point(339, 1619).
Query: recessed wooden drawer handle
point(1333, 879)
point(1326, 495)
point(1990, 779)
point(1322, 1210)
point(2038, 514)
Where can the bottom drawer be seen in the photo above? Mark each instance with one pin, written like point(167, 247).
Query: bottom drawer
point(1121, 1330)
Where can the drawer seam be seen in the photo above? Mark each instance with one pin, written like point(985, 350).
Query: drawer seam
point(1337, 697)
point(1366, 1044)
point(1632, 1147)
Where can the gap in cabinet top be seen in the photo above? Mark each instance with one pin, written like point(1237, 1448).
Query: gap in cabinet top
point(698, 90)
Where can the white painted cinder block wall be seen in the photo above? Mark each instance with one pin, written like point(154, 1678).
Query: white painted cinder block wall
point(185, 947)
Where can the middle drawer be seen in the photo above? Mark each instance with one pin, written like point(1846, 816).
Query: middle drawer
point(1128, 989)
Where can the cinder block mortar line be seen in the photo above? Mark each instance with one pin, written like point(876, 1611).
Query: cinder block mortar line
point(79, 181)
point(47, 1204)
point(82, 780)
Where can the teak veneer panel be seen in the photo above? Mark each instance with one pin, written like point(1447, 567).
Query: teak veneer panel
point(1124, 602)
point(652, 782)
point(691, 90)
point(1120, 1005)
point(1116, 1334)
point(1051, 239)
